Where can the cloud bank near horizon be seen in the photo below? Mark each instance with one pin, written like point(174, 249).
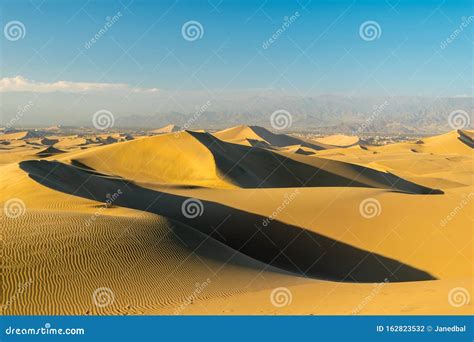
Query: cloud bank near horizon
point(22, 84)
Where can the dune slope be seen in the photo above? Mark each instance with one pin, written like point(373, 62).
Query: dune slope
point(305, 252)
point(200, 159)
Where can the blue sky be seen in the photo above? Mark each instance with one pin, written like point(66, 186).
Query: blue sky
point(321, 52)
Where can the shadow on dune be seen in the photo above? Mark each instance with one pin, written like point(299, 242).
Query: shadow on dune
point(261, 168)
point(212, 249)
point(278, 244)
point(466, 137)
point(282, 140)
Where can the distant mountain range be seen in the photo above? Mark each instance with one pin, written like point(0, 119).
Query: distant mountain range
point(327, 113)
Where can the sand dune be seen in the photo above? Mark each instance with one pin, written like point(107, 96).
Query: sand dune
point(15, 135)
point(449, 143)
point(163, 159)
point(245, 134)
point(48, 152)
point(70, 142)
point(215, 163)
point(331, 228)
point(49, 141)
point(149, 256)
point(165, 129)
point(267, 241)
point(339, 140)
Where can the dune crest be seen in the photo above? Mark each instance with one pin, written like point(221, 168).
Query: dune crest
point(244, 134)
point(339, 140)
point(165, 129)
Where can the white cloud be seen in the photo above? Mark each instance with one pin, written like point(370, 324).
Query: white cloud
point(19, 83)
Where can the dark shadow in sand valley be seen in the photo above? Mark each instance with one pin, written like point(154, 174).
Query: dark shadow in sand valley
point(278, 244)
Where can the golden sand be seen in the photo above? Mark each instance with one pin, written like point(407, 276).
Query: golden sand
point(281, 225)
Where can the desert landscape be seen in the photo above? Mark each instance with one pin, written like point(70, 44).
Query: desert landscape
point(235, 221)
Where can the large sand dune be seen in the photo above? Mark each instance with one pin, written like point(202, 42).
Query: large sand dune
point(248, 135)
point(200, 159)
point(199, 223)
point(339, 140)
